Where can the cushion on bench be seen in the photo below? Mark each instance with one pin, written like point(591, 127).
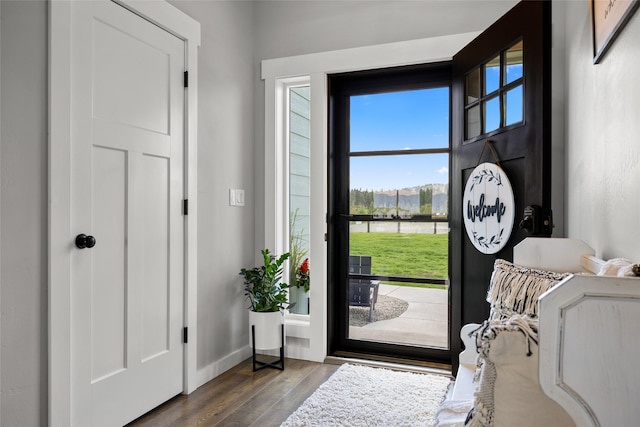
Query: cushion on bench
point(515, 289)
point(508, 391)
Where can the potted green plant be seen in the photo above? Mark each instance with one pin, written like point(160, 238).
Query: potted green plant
point(268, 299)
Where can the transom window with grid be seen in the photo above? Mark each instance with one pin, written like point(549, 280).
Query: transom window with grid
point(494, 93)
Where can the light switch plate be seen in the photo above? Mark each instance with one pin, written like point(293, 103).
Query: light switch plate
point(239, 197)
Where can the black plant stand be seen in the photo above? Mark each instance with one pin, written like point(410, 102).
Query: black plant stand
point(257, 364)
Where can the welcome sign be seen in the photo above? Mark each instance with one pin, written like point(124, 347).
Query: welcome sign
point(488, 208)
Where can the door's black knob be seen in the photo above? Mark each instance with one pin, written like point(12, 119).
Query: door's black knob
point(84, 241)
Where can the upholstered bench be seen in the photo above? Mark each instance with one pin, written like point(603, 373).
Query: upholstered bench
point(497, 380)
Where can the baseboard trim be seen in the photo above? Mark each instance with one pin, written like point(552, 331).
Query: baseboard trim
point(219, 367)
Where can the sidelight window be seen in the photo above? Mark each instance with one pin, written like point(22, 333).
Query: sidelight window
point(299, 138)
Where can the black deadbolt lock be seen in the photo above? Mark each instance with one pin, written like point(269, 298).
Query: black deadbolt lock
point(530, 220)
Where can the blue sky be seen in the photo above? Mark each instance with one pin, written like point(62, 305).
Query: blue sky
point(399, 121)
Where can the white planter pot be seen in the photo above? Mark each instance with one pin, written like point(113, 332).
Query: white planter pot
point(268, 333)
point(301, 298)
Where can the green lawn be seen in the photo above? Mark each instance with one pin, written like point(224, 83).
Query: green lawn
point(408, 255)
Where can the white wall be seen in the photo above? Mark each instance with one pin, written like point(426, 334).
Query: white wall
point(225, 160)
point(603, 138)
point(288, 28)
point(23, 218)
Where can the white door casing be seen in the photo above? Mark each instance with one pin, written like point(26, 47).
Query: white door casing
point(117, 171)
point(315, 68)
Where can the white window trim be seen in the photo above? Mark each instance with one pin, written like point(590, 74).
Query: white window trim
point(277, 73)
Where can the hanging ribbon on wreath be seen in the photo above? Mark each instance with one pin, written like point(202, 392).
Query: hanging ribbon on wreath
point(488, 205)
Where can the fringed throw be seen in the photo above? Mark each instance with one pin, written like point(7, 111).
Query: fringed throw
point(483, 410)
point(515, 289)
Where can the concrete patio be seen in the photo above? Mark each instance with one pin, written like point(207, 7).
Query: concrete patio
point(424, 323)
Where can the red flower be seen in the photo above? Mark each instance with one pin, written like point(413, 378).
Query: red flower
point(304, 267)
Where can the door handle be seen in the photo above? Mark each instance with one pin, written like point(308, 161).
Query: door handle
point(84, 241)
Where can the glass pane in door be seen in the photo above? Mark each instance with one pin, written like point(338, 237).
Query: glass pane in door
point(492, 75)
point(514, 63)
point(472, 86)
point(400, 120)
point(513, 105)
point(404, 244)
point(399, 186)
point(398, 229)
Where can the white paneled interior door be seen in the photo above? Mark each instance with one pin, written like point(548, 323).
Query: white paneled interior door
point(127, 179)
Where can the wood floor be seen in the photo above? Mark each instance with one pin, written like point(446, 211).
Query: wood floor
point(241, 397)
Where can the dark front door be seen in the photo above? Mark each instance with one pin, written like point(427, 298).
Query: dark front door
point(500, 103)
point(388, 213)
point(501, 94)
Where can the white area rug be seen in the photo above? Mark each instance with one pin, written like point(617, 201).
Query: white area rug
point(362, 396)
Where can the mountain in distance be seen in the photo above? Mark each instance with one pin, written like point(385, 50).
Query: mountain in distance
point(408, 199)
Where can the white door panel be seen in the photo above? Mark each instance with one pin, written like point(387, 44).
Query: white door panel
point(108, 262)
point(156, 289)
point(126, 188)
point(127, 68)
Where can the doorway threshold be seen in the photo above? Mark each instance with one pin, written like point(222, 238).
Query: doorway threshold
point(397, 364)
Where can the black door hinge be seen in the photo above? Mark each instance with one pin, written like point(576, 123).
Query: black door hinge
point(185, 207)
point(185, 335)
point(186, 79)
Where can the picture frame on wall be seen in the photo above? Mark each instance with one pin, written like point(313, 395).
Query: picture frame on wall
point(608, 17)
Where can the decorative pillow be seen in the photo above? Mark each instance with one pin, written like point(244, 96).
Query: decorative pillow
point(515, 289)
point(509, 392)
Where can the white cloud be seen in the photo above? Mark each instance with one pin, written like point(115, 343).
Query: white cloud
point(443, 170)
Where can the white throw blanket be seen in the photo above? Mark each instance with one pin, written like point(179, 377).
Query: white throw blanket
point(617, 267)
point(453, 413)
